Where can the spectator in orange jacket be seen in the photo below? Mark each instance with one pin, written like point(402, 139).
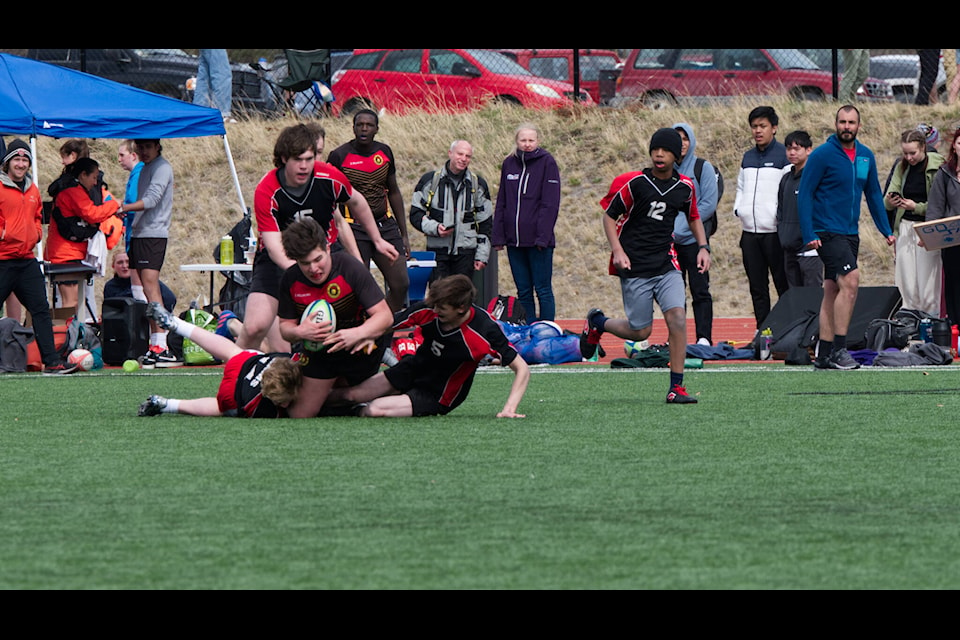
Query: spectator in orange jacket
point(76, 202)
point(21, 213)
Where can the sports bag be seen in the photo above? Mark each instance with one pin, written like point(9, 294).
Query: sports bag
point(507, 309)
point(192, 352)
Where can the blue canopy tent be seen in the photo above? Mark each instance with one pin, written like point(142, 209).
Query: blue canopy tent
point(41, 99)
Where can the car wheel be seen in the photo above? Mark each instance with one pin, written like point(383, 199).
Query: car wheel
point(356, 104)
point(509, 101)
point(808, 94)
point(659, 100)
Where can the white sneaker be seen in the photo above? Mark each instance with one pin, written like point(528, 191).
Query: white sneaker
point(703, 342)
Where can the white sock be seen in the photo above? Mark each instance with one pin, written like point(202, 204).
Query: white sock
point(162, 340)
point(173, 406)
point(138, 293)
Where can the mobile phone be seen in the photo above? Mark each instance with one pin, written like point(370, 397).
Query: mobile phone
point(894, 194)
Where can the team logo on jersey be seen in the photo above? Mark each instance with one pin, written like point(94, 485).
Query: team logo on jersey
point(334, 291)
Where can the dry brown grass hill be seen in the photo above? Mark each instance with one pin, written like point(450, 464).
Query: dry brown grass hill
point(591, 147)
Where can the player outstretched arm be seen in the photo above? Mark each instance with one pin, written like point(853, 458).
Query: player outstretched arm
point(521, 376)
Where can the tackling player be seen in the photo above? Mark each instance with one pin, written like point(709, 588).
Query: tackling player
point(436, 379)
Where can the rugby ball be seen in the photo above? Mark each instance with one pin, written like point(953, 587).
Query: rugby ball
point(82, 358)
point(325, 313)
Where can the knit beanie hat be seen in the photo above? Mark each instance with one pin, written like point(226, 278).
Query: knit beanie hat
point(17, 148)
point(667, 139)
point(930, 131)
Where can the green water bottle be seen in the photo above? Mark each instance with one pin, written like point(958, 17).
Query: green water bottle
point(226, 250)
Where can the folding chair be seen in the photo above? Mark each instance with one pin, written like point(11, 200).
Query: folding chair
point(306, 87)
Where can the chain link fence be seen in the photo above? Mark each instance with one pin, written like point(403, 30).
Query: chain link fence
point(463, 78)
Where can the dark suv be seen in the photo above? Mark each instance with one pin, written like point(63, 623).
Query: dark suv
point(169, 72)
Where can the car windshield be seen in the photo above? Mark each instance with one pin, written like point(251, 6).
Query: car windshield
point(791, 59)
point(497, 62)
point(894, 68)
point(150, 53)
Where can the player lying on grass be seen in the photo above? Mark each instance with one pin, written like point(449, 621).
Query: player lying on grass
point(254, 385)
point(436, 379)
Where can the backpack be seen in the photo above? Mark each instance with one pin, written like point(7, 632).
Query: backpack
point(81, 335)
point(794, 339)
point(73, 228)
point(884, 334)
point(507, 309)
point(710, 226)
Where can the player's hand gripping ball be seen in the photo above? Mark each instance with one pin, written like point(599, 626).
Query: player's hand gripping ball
point(82, 358)
point(325, 313)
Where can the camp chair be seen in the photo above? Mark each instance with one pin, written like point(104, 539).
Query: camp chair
point(306, 87)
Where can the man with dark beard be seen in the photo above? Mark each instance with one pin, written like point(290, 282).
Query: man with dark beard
point(836, 177)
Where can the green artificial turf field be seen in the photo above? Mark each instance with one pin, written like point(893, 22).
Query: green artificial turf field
point(780, 478)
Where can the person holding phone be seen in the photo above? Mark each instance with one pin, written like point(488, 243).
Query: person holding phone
point(917, 272)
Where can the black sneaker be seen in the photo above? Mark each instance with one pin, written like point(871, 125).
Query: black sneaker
point(167, 359)
point(590, 336)
point(161, 316)
point(678, 395)
point(149, 359)
point(60, 369)
point(841, 359)
point(153, 406)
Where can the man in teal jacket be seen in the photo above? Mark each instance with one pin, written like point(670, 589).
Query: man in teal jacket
point(837, 176)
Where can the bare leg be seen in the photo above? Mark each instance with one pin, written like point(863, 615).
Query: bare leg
point(313, 393)
point(827, 306)
point(207, 407)
point(849, 286)
point(151, 288)
point(259, 320)
point(676, 320)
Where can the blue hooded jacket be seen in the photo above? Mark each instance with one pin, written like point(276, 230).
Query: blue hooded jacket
point(528, 201)
point(832, 188)
point(706, 193)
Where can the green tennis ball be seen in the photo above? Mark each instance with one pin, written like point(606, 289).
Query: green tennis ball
point(131, 365)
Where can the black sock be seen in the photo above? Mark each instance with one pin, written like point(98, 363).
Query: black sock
point(839, 342)
point(824, 350)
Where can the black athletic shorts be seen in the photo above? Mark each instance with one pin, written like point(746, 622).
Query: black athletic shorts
point(147, 253)
point(839, 254)
point(403, 377)
point(353, 368)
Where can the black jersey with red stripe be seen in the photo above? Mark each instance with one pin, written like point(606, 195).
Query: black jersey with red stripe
point(240, 389)
point(350, 288)
point(645, 208)
point(368, 173)
point(276, 206)
point(447, 360)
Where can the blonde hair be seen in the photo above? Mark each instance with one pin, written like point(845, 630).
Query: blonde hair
point(281, 381)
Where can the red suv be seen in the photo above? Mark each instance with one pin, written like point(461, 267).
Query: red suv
point(558, 65)
point(661, 77)
point(456, 80)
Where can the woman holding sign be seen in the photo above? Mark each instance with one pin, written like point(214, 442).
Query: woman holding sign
point(944, 202)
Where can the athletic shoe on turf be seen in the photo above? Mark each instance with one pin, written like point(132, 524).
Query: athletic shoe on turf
point(678, 395)
point(161, 316)
point(167, 359)
point(590, 336)
point(841, 359)
point(821, 363)
point(60, 369)
point(149, 359)
point(153, 406)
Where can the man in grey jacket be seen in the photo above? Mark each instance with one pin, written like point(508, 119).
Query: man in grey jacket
point(148, 240)
point(452, 208)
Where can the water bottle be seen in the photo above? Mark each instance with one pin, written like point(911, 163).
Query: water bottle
point(954, 339)
point(766, 342)
point(926, 330)
point(226, 250)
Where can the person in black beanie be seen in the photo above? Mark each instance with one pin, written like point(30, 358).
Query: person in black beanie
point(640, 210)
point(21, 213)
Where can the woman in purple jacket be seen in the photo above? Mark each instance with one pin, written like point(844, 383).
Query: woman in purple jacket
point(524, 218)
